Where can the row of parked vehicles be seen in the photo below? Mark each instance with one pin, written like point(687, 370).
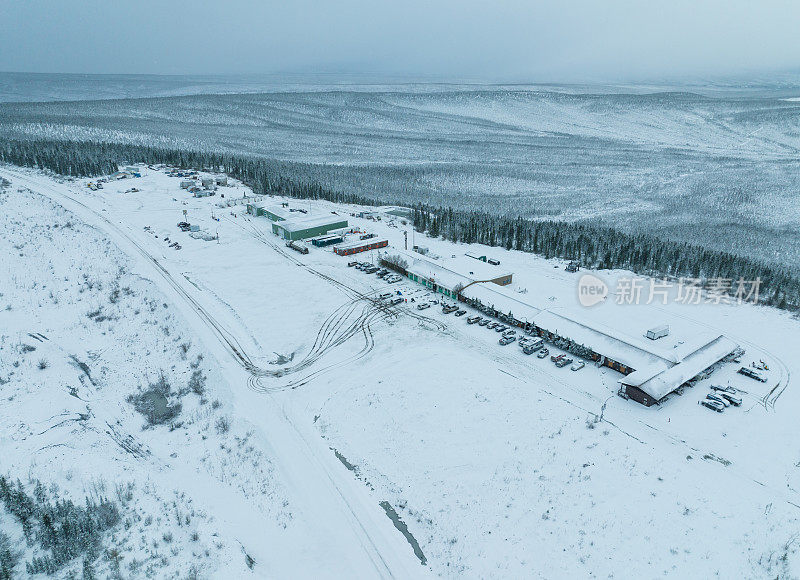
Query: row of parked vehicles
point(390, 298)
point(529, 344)
point(563, 360)
point(450, 308)
point(720, 398)
point(384, 273)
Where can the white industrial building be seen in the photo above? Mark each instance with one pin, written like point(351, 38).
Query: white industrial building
point(613, 337)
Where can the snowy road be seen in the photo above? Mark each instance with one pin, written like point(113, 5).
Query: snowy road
point(353, 534)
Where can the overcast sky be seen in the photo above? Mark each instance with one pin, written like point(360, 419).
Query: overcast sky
point(535, 40)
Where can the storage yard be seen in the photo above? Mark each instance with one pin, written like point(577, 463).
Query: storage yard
point(539, 417)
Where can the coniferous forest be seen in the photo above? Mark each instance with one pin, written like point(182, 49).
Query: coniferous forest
point(590, 245)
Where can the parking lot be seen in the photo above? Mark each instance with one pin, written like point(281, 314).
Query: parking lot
point(399, 291)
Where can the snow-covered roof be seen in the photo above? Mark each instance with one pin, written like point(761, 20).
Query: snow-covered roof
point(660, 384)
point(272, 208)
point(660, 366)
point(457, 269)
point(475, 269)
point(682, 343)
point(359, 243)
point(277, 210)
point(432, 270)
point(313, 221)
point(603, 340)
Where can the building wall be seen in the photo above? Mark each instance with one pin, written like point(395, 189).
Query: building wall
point(639, 396)
point(358, 249)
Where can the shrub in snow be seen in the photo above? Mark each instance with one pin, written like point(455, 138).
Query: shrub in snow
point(223, 425)
point(154, 402)
point(197, 382)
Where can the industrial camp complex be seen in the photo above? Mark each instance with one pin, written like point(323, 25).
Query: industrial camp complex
point(654, 358)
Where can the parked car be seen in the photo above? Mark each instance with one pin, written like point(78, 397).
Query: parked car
point(461, 312)
point(448, 308)
point(351, 264)
point(396, 301)
point(423, 305)
point(510, 333)
point(718, 398)
point(557, 357)
point(543, 353)
point(748, 372)
point(473, 319)
point(578, 365)
point(536, 342)
point(483, 322)
point(501, 328)
point(506, 340)
point(720, 389)
point(385, 295)
point(713, 405)
point(561, 363)
point(492, 325)
point(732, 399)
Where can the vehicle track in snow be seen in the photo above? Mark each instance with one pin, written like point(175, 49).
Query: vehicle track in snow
point(259, 235)
point(356, 518)
point(342, 325)
point(336, 330)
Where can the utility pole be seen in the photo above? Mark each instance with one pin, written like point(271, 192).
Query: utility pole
point(405, 234)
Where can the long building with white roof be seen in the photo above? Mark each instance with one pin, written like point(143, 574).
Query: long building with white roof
point(612, 337)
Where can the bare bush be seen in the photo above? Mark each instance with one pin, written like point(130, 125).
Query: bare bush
point(197, 382)
point(154, 402)
point(223, 425)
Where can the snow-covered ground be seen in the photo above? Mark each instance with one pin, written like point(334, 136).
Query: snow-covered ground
point(496, 461)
